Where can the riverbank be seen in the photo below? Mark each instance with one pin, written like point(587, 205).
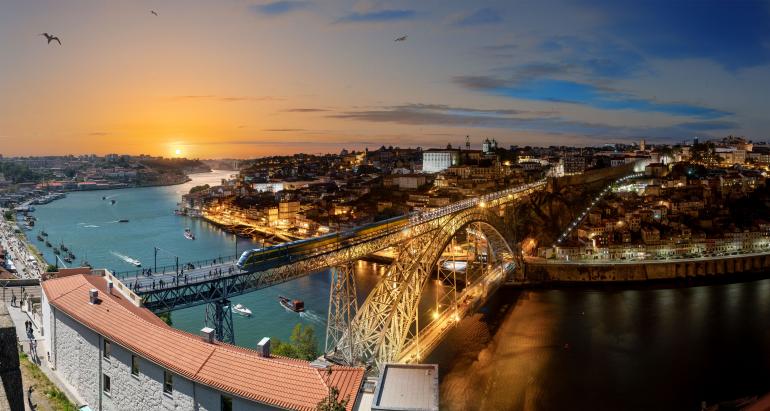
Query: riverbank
point(538, 271)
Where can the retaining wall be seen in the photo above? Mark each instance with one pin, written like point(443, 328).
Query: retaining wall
point(542, 272)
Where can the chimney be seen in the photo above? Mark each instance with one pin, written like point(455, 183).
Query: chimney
point(93, 295)
point(263, 347)
point(109, 286)
point(207, 334)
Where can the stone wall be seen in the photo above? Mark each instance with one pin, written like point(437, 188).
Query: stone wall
point(77, 357)
point(11, 391)
point(590, 177)
point(542, 272)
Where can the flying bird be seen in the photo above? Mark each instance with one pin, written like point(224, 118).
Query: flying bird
point(401, 38)
point(153, 12)
point(51, 37)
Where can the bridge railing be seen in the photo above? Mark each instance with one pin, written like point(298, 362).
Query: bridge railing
point(172, 268)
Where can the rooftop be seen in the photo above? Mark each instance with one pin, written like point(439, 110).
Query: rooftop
point(277, 381)
point(411, 387)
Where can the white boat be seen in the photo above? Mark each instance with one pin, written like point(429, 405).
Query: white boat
point(188, 234)
point(240, 309)
point(133, 261)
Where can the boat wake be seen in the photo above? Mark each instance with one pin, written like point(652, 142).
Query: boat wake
point(90, 226)
point(126, 258)
point(312, 317)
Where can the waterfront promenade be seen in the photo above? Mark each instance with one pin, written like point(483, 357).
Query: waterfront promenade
point(19, 251)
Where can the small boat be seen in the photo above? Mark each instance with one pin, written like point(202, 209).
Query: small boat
point(44, 234)
point(133, 261)
point(112, 202)
point(297, 306)
point(104, 198)
point(67, 259)
point(242, 310)
point(27, 227)
point(71, 255)
point(189, 234)
point(39, 237)
point(47, 244)
point(123, 221)
point(63, 247)
point(85, 263)
point(56, 251)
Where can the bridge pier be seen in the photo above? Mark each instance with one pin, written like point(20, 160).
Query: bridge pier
point(219, 316)
point(343, 306)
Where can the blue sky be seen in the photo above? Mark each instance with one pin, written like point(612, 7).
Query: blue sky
point(242, 77)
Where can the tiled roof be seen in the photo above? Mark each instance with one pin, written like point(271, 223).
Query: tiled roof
point(281, 382)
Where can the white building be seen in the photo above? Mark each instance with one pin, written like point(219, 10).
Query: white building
point(116, 355)
point(434, 161)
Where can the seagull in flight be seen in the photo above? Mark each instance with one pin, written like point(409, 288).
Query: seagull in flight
point(154, 12)
point(51, 37)
point(401, 38)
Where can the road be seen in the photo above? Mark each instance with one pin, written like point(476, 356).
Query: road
point(17, 250)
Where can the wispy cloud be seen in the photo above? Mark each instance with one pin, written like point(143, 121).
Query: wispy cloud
point(463, 117)
point(277, 8)
point(98, 133)
point(565, 91)
point(305, 110)
point(480, 17)
point(226, 99)
point(378, 16)
point(283, 130)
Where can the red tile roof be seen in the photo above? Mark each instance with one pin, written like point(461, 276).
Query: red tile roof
point(277, 381)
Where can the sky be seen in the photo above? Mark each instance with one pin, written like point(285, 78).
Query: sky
point(241, 78)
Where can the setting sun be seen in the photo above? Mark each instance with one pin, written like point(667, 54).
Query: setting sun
point(178, 152)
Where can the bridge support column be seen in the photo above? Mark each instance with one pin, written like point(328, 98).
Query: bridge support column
point(219, 316)
point(343, 306)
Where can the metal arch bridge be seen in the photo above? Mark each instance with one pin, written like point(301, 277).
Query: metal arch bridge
point(384, 321)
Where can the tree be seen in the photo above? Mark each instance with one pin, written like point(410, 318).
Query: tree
point(302, 344)
point(8, 215)
point(51, 268)
point(199, 188)
point(332, 402)
point(166, 317)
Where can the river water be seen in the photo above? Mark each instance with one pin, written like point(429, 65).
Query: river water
point(649, 348)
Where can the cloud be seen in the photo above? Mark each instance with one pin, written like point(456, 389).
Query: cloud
point(463, 117)
point(572, 92)
point(733, 34)
point(282, 130)
point(304, 110)
point(98, 133)
point(479, 17)
point(378, 16)
point(277, 8)
point(225, 99)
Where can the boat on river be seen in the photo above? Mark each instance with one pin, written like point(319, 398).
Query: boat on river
point(297, 306)
point(189, 234)
point(123, 221)
point(47, 243)
point(242, 310)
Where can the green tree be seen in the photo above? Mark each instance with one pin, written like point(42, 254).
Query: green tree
point(51, 268)
point(8, 215)
point(302, 344)
point(332, 402)
point(166, 317)
point(199, 188)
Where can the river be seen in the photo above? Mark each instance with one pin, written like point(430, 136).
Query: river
point(647, 348)
point(640, 348)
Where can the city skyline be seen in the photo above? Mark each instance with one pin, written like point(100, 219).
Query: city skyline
point(249, 78)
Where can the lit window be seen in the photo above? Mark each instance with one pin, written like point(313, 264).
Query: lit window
point(226, 403)
point(134, 365)
point(107, 349)
point(168, 382)
point(106, 384)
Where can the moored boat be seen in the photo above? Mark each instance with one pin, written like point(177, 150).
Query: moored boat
point(189, 234)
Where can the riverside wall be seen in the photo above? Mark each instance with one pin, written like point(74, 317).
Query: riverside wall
point(11, 390)
point(550, 272)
